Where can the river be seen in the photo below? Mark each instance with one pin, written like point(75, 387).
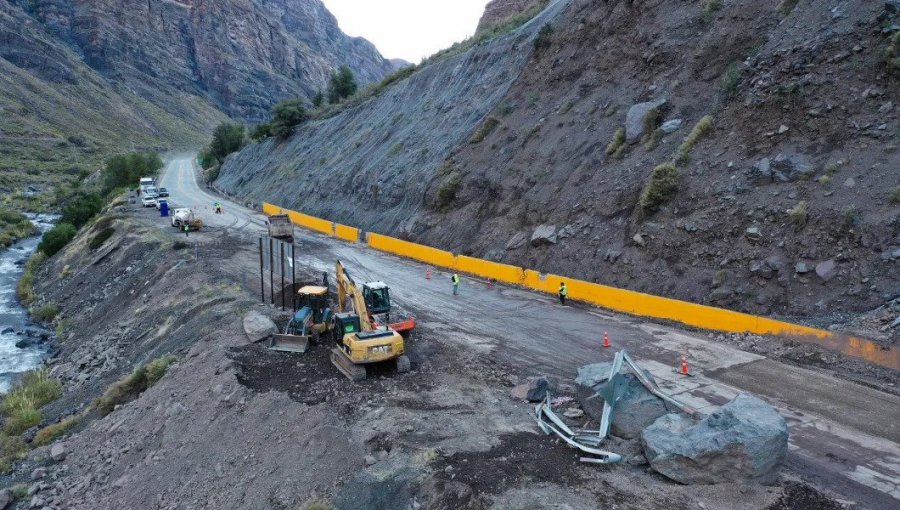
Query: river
point(15, 324)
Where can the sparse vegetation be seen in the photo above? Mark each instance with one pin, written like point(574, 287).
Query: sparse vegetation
point(894, 198)
point(317, 504)
point(54, 431)
point(21, 406)
point(610, 110)
point(12, 448)
point(652, 141)
point(798, 214)
point(489, 125)
point(824, 179)
point(13, 227)
point(180, 245)
point(730, 79)
point(616, 143)
point(101, 237)
point(787, 6)
point(22, 420)
point(693, 138)
point(544, 37)
point(711, 7)
point(661, 187)
point(447, 192)
point(227, 138)
point(25, 286)
point(129, 387)
point(57, 238)
point(850, 216)
point(395, 149)
point(46, 313)
point(892, 55)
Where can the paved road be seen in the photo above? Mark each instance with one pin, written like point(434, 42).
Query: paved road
point(844, 436)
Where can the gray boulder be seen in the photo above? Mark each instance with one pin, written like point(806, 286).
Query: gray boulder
point(634, 120)
point(258, 327)
point(637, 409)
point(538, 388)
point(5, 498)
point(517, 241)
point(826, 270)
point(745, 441)
point(670, 126)
point(544, 235)
point(58, 452)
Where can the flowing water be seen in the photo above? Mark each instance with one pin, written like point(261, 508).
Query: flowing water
point(16, 326)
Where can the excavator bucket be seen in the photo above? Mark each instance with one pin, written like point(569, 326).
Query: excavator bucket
point(289, 343)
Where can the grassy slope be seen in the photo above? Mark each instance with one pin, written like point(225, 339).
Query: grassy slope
point(52, 130)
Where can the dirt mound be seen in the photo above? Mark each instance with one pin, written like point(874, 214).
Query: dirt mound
point(799, 496)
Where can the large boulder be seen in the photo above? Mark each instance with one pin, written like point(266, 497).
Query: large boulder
point(543, 235)
point(258, 327)
point(636, 117)
point(635, 410)
point(745, 441)
point(538, 387)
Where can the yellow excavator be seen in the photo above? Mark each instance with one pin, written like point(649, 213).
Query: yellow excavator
point(359, 342)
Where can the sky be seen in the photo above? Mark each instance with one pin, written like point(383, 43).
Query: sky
point(408, 29)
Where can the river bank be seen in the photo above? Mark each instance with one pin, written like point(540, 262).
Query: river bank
point(24, 345)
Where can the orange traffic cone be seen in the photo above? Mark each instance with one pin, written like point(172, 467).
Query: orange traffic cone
point(428, 273)
point(684, 365)
point(606, 340)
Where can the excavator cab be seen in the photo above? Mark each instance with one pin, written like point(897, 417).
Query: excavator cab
point(316, 299)
point(378, 297)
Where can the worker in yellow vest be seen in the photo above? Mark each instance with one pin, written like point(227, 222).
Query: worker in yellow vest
point(455, 280)
point(563, 292)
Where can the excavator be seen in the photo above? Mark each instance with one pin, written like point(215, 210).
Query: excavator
point(359, 341)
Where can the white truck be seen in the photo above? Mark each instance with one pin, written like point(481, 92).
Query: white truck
point(185, 216)
point(146, 183)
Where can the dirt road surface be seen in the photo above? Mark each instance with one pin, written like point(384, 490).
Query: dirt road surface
point(844, 436)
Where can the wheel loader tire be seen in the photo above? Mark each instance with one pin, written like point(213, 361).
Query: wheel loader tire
point(403, 365)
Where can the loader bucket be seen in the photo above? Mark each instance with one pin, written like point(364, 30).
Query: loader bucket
point(289, 343)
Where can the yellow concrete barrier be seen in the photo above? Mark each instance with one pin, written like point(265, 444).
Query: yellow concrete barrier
point(415, 251)
point(620, 300)
point(346, 233)
point(487, 269)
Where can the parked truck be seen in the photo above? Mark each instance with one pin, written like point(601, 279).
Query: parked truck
point(280, 227)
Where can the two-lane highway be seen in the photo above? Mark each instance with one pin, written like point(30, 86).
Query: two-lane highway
point(843, 435)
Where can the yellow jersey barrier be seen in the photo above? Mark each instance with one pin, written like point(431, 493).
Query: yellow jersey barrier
point(612, 298)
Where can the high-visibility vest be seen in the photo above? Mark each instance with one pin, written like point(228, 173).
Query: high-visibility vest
point(455, 280)
point(563, 290)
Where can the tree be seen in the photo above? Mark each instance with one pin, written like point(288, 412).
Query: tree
point(341, 85)
point(286, 115)
point(125, 170)
point(318, 99)
point(81, 209)
point(227, 138)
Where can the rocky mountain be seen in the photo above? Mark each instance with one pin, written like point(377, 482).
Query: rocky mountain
point(496, 12)
point(781, 122)
point(242, 55)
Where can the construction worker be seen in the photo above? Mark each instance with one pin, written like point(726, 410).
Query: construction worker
point(455, 280)
point(218, 208)
point(563, 292)
point(187, 230)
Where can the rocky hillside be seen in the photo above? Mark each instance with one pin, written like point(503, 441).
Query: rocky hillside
point(782, 201)
point(243, 56)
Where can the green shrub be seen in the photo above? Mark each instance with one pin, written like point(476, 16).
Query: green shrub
point(490, 124)
point(81, 209)
point(57, 238)
point(544, 37)
point(25, 285)
point(531, 134)
point(45, 313)
point(447, 192)
point(850, 216)
point(617, 142)
point(730, 79)
point(227, 138)
point(652, 141)
point(53, 432)
point(261, 131)
point(35, 390)
point(662, 186)
point(157, 368)
point(798, 214)
point(787, 6)
point(12, 447)
point(693, 138)
point(22, 420)
point(286, 115)
point(712, 6)
point(101, 237)
point(894, 198)
point(129, 387)
point(824, 179)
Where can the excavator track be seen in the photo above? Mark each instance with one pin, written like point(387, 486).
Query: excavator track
point(353, 371)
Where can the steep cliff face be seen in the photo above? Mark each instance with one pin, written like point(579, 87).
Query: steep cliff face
point(498, 11)
point(785, 201)
point(243, 55)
